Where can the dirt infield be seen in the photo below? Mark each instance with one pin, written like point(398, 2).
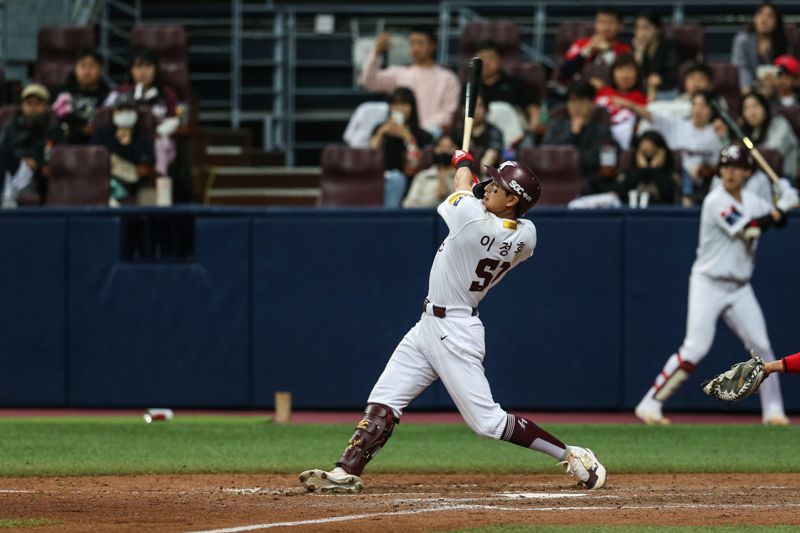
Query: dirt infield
point(397, 502)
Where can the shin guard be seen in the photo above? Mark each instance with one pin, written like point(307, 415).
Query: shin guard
point(675, 372)
point(370, 435)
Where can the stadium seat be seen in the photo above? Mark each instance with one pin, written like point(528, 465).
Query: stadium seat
point(792, 114)
point(726, 84)
point(774, 158)
point(7, 112)
point(58, 48)
point(690, 40)
point(535, 77)
point(170, 44)
point(102, 119)
point(568, 32)
point(558, 168)
point(351, 177)
point(78, 175)
point(504, 33)
point(792, 41)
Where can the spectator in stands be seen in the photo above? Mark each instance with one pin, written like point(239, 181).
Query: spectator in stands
point(401, 138)
point(131, 149)
point(487, 140)
point(435, 87)
point(160, 99)
point(431, 186)
point(770, 130)
point(83, 94)
point(625, 84)
point(25, 145)
point(696, 136)
point(498, 87)
point(762, 41)
point(656, 55)
point(602, 47)
point(653, 178)
point(780, 85)
point(589, 136)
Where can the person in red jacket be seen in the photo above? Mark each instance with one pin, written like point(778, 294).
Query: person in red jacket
point(625, 85)
point(602, 47)
point(788, 365)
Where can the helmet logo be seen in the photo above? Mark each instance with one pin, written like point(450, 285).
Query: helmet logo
point(507, 164)
point(517, 187)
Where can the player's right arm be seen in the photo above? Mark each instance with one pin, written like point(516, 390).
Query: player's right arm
point(465, 177)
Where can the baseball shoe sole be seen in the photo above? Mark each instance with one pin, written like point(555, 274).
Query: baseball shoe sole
point(322, 481)
point(652, 418)
point(581, 464)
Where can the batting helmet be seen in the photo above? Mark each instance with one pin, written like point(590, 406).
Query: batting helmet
point(519, 180)
point(735, 155)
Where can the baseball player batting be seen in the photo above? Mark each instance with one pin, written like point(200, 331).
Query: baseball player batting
point(731, 222)
point(487, 239)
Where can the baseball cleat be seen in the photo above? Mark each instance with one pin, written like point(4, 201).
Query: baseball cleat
point(651, 417)
point(337, 481)
point(776, 420)
point(581, 464)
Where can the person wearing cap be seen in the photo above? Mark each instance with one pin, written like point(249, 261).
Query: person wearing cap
point(131, 149)
point(82, 95)
point(779, 85)
point(25, 145)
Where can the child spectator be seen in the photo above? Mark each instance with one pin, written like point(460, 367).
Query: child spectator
point(653, 178)
point(498, 87)
point(487, 141)
point(587, 135)
point(148, 90)
point(84, 93)
point(656, 55)
point(25, 145)
point(401, 138)
point(762, 41)
point(431, 186)
point(625, 83)
point(695, 136)
point(780, 86)
point(131, 149)
point(602, 47)
point(435, 87)
point(770, 131)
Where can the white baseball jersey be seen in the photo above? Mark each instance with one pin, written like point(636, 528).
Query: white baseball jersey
point(480, 249)
point(722, 253)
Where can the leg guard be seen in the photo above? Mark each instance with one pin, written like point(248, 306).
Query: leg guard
point(675, 372)
point(370, 435)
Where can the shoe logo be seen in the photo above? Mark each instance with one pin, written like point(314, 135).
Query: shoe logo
point(443, 338)
point(522, 422)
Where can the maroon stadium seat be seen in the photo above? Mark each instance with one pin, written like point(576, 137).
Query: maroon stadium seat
point(170, 44)
point(535, 77)
point(58, 48)
point(568, 32)
point(558, 168)
point(102, 119)
point(690, 40)
point(504, 33)
point(351, 176)
point(774, 158)
point(7, 113)
point(726, 84)
point(79, 175)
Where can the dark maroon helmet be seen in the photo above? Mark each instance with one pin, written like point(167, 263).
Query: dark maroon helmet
point(519, 180)
point(735, 155)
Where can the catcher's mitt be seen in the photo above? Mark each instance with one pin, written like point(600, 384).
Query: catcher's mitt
point(741, 381)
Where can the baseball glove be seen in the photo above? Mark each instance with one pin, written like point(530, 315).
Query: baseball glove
point(741, 381)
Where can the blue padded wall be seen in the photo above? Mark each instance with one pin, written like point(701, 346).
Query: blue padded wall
point(32, 311)
point(159, 334)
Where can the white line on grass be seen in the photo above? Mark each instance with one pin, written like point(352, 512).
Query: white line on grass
point(347, 518)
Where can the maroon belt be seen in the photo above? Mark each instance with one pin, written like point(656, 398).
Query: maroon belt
point(441, 312)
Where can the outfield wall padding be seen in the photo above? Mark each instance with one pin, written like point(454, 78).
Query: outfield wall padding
point(100, 308)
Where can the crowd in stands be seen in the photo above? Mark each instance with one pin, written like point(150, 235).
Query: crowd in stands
point(135, 121)
point(639, 114)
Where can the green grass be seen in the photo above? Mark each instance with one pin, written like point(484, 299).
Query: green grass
point(26, 522)
point(199, 444)
point(623, 529)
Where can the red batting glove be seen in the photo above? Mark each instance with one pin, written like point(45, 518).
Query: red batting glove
point(463, 158)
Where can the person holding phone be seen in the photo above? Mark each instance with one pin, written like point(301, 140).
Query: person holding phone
point(401, 138)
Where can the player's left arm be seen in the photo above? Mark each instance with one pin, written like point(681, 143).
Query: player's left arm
point(465, 177)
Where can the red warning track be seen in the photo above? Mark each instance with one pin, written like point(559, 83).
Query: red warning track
point(344, 417)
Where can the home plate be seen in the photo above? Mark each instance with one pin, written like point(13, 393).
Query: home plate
point(539, 495)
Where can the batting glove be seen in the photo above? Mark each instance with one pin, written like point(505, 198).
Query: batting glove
point(788, 197)
point(462, 158)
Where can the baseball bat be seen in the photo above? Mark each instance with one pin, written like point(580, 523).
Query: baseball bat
point(473, 90)
point(739, 134)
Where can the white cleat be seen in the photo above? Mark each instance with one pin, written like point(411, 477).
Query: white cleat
point(777, 420)
point(337, 480)
point(581, 464)
point(651, 417)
